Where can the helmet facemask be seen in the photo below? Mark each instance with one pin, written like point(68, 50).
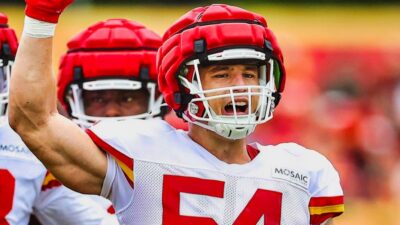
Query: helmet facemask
point(258, 99)
point(5, 75)
point(74, 98)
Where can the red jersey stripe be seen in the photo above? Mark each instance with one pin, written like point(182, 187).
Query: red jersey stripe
point(50, 182)
point(324, 208)
point(253, 152)
point(326, 201)
point(123, 161)
point(108, 148)
point(111, 210)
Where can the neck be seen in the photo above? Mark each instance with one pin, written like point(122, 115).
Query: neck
point(229, 151)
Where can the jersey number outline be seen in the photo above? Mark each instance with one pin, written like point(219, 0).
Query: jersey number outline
point(7, 188)
point(265, 203)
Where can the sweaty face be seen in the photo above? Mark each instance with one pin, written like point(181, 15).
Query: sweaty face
point(221, 76)
point(115, 103)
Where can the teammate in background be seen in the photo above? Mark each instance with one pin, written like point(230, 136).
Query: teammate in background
point(25, 185)
point(109, 72)
point(221, 69)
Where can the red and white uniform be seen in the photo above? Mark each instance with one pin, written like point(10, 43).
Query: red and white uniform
point(106, 206)
point(158, 175)
point(26, 187)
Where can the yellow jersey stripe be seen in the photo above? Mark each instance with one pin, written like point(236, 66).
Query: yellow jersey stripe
point(326, 209)
point(49, 177)
point(128, 172)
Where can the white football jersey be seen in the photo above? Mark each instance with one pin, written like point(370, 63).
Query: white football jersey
point(107, 208)
point(26, 187)
point(158, 175)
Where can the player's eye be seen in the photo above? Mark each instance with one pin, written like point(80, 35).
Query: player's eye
point(249, 75)
point(220, 75)
point(127, 99)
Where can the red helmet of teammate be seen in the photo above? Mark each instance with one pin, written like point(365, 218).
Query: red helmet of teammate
point(220, 34)
point(116, 54)
point(8, 49)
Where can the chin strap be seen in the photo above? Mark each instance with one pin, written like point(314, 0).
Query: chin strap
point(277, 98)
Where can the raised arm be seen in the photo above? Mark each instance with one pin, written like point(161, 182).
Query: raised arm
point(64, 148)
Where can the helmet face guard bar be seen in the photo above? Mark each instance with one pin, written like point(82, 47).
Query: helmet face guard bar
point(110, 84)
point(263, 93)
point(237, 125)
point(5, 75)
point(74, 98)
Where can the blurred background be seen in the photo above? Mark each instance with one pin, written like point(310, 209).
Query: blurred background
point(342, 95)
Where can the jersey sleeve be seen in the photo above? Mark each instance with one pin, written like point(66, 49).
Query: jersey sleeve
point(119, 180)
point(116, 186)
point(327, 199)
point(56, 204)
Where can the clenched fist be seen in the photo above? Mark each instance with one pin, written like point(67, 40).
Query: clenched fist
point(46, 10)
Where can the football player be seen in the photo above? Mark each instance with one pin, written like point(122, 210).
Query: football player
point(109, 72)
point(221, 69)
point(25, 185)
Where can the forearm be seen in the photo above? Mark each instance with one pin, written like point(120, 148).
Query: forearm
point(63, 147)
point(32, 92)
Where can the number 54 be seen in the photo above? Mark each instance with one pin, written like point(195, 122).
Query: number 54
point(263, 203)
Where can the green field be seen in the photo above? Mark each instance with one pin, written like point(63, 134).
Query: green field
point(295, 26)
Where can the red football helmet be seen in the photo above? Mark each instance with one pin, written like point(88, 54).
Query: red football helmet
point(115, 54)
point(8, 49)
point(213, 35)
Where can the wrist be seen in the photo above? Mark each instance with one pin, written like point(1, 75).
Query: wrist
point(38, 29)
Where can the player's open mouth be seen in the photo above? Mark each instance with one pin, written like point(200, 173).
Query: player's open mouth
point(241, 107)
